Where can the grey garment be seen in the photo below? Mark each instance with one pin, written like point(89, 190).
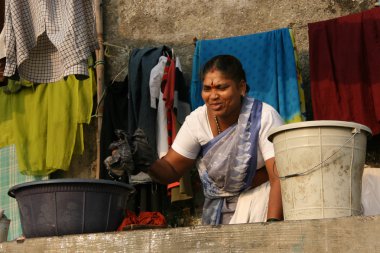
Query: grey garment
point(140, 114)
point(47, 40)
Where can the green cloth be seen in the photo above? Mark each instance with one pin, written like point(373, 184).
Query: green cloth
point(44, 122)
point(10, 176)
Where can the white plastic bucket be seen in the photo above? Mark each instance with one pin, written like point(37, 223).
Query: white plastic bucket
point(320, 165)
point(4, 227)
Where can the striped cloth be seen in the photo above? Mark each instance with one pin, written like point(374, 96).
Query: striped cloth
point(10, 176)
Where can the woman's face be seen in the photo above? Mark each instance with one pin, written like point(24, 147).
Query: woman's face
point(222, 95)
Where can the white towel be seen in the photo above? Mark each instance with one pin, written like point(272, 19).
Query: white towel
point(252, 205)
point(371, 191)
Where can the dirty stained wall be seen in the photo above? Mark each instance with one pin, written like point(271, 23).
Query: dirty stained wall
point(142, 23)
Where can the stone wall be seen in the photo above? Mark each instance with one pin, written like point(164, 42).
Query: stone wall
point(139, 23)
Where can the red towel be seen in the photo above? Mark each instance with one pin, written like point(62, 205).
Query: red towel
point(345, 68)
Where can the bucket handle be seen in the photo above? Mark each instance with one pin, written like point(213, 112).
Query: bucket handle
point(355, 131)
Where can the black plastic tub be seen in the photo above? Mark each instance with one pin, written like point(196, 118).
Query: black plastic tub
point(70, 206)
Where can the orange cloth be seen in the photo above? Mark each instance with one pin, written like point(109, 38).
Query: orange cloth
point(151, 218)
point(130, 218)
point(145, 218)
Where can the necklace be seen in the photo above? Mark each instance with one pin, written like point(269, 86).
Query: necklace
point(217, 124)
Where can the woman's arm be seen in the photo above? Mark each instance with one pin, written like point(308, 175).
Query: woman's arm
point(275, 201)
point(170, 168)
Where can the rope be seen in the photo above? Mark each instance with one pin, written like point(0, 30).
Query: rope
point(356, 131)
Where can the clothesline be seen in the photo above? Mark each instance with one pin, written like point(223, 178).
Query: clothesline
point(107, 44)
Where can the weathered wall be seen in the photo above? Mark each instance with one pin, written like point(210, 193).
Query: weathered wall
point(139, 23)
point(175, 23)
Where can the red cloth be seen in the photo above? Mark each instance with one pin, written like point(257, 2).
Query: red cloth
point(151, 218)
point(144, 218)
point(345, 68)
point(130, 218)
point(167, 87)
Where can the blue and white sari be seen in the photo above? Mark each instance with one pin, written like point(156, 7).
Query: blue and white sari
point(228, 162)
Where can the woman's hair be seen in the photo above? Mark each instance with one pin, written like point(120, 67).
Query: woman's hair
point(229, 65)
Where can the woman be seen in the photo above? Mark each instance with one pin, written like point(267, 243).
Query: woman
point(227, 140)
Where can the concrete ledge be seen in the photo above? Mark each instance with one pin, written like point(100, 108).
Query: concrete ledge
point(348, 234)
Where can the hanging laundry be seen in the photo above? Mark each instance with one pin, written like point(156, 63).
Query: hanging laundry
point(170, 95)
point(158, 103)
point(140, 114)
point(344, 68)
point(48, 40)
point(115, 111)
point(167, 89)
point(45, 120)
point(181, 101)
point(269, 62)
point(301, 87)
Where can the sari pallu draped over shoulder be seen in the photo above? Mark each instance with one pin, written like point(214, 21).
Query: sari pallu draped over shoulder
point(228, 162)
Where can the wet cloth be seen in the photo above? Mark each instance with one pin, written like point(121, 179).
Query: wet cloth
point(229, 161)
point(47, 40)
point(45, 120)
point(344, 68)
point(269, 62)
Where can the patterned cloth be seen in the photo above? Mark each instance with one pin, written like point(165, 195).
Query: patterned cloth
point(47, 40)
point(10, 176)
point(229, 161)
point(269, 63)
